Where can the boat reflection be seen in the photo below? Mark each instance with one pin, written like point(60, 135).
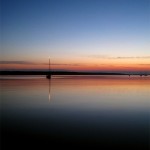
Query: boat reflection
point(49, 95)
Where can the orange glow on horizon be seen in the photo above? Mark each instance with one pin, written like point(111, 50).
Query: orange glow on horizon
point(79, 67)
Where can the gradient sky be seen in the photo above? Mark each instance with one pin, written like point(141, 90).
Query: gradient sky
point(112, 35)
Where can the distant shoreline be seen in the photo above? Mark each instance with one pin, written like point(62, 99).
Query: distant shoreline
point(64, 73)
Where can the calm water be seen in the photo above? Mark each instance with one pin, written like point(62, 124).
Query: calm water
point(76, 109)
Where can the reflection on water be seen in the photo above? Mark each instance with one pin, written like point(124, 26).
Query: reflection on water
point(98, 92)
point(49, 94)
point(81, 108)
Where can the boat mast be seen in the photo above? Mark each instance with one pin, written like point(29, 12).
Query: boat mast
point(49, 72)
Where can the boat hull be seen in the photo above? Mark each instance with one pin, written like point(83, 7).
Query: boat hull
point(48, 76)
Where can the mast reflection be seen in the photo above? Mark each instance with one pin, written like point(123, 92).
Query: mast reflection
point(49, 95)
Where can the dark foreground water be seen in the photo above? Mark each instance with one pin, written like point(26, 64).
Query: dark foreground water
point(97, 111)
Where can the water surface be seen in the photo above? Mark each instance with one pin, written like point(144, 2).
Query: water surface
point(78, 109)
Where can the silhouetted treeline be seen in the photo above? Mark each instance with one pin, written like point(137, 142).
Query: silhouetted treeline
point(56, 73)
point(66, 73)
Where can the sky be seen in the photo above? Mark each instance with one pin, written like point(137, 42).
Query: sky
point(78, 35)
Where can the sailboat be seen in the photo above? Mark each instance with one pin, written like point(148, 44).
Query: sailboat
point(49, 75)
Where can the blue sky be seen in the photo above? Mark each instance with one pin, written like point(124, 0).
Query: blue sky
point(75, 31)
